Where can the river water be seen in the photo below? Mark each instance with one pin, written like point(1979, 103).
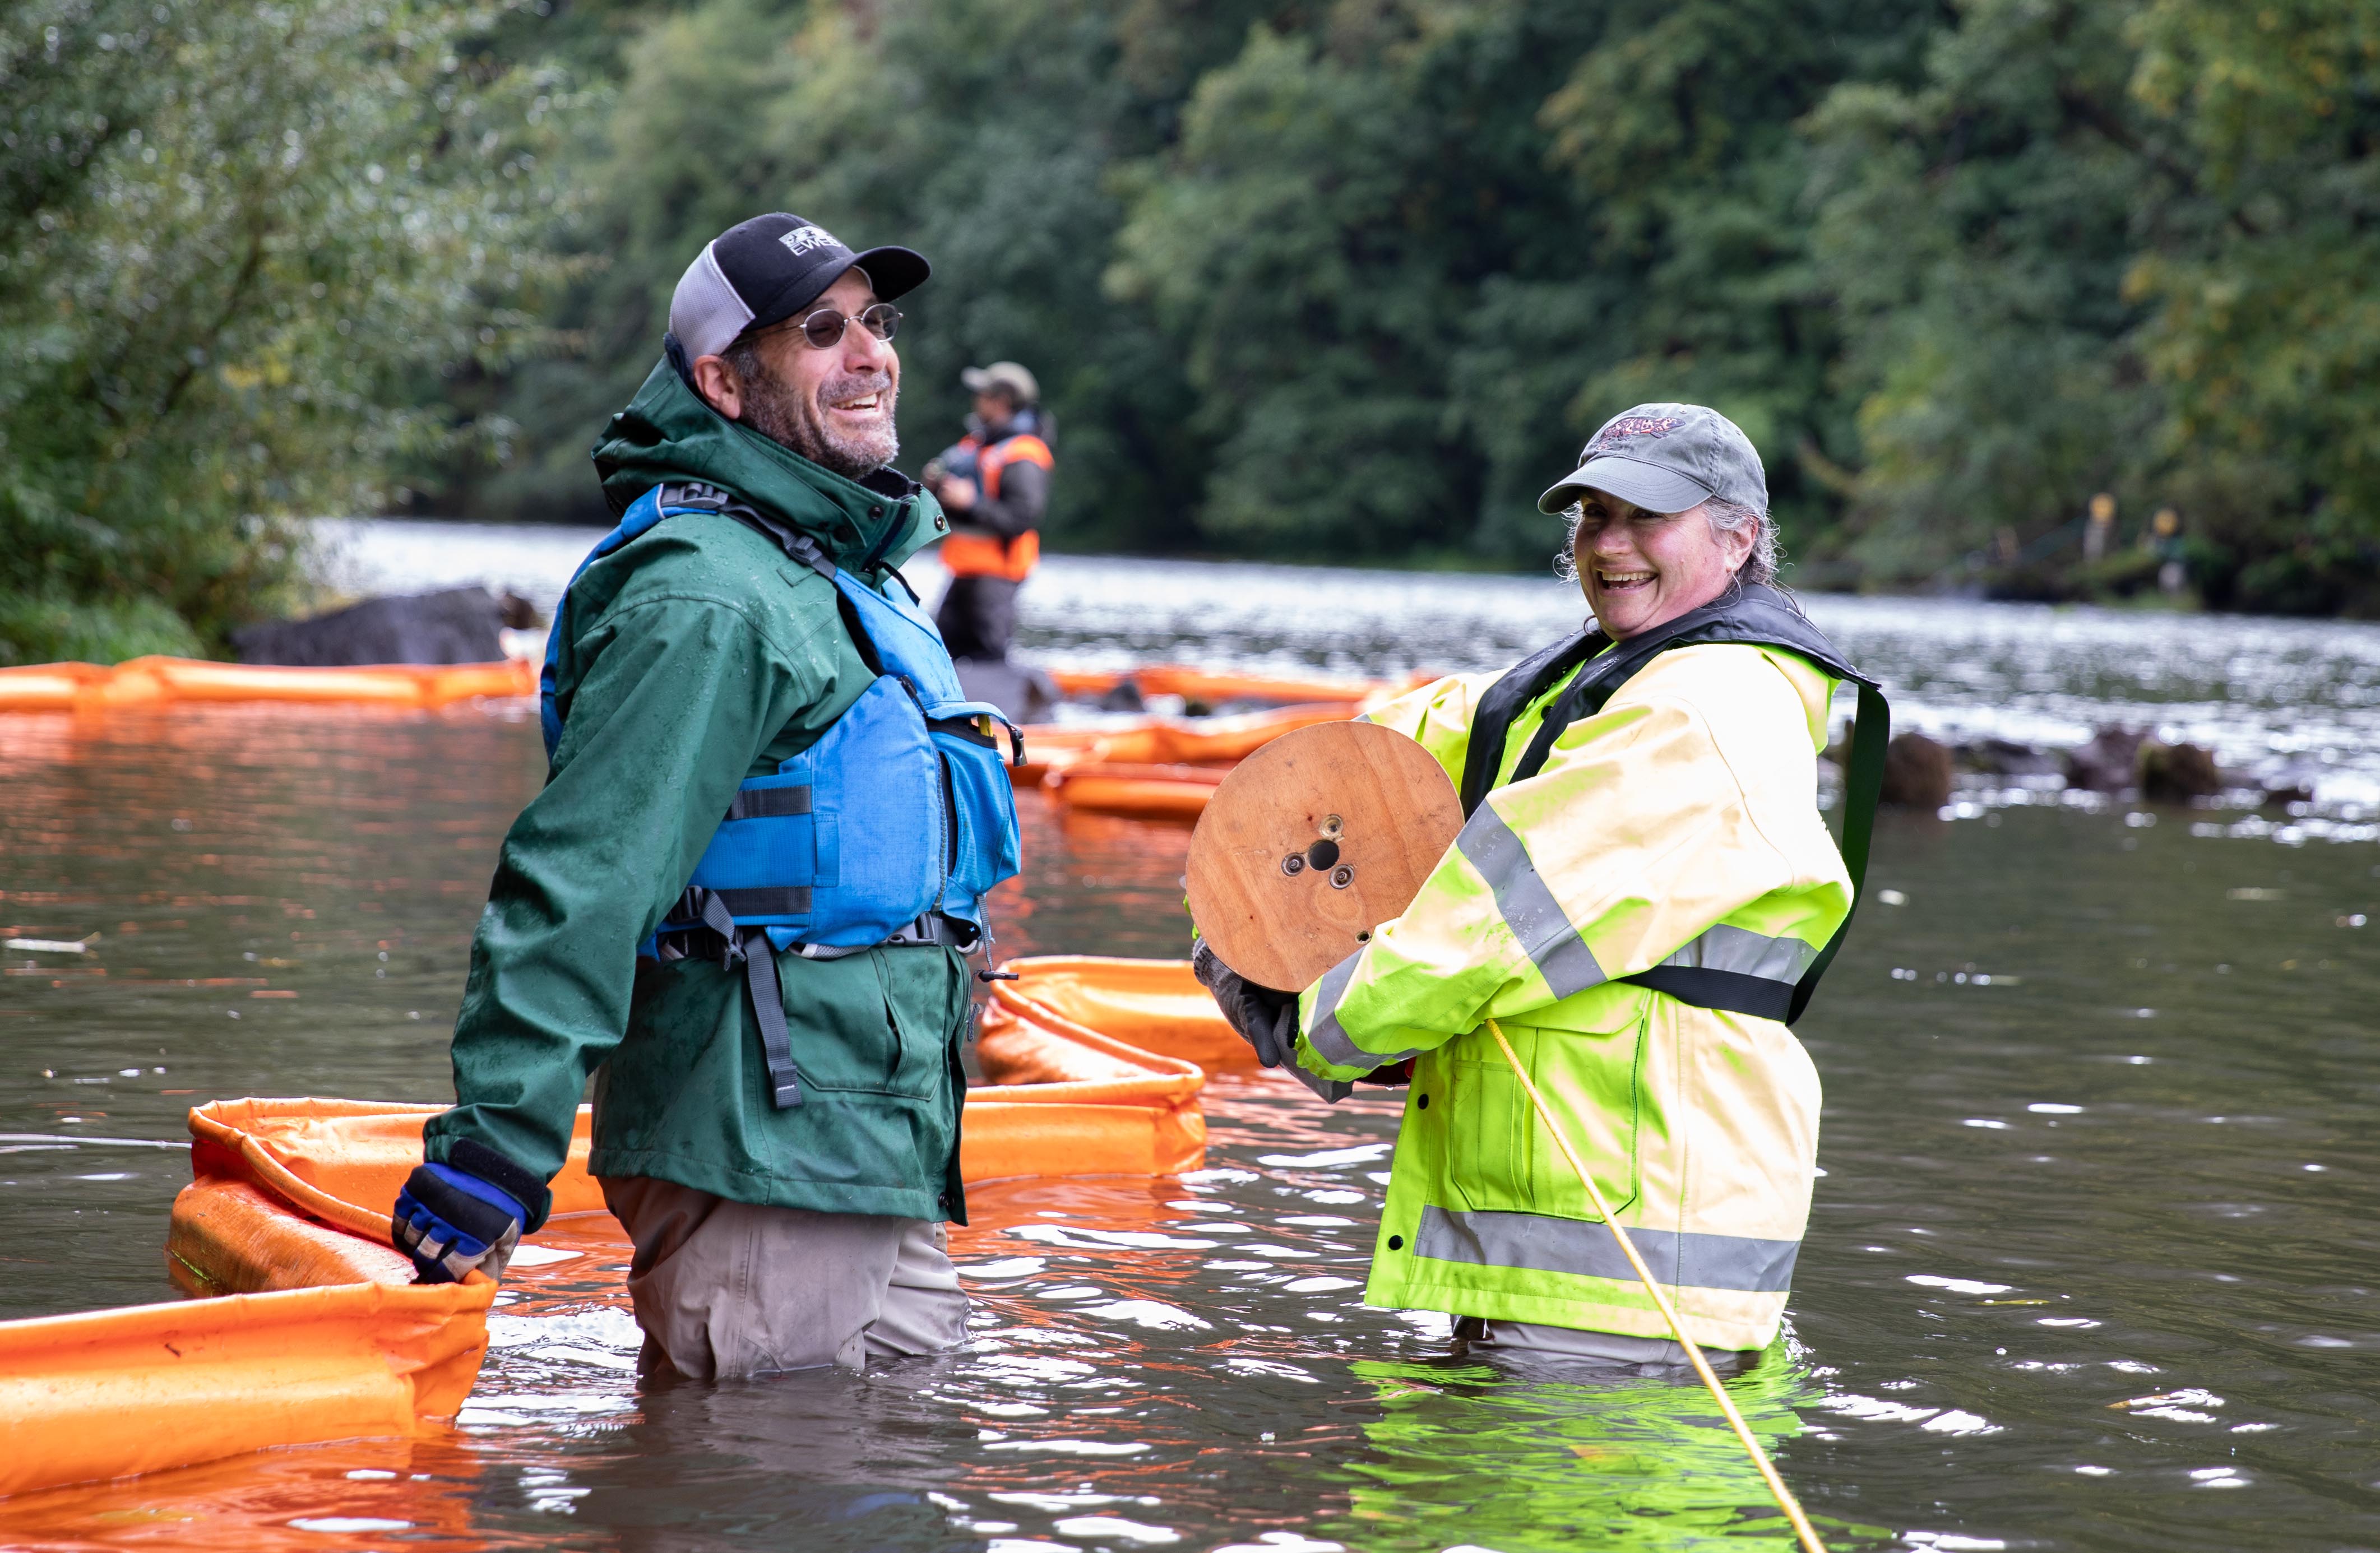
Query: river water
point(2091, 1267)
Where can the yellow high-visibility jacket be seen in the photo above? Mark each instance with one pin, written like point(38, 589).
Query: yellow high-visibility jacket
point(1678, 825)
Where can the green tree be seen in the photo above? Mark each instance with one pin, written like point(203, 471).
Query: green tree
point(237, 246)
point(2115, 247)
point(1974, 232)
point(983, 133)
point(1415, 255)
point(2264, 328)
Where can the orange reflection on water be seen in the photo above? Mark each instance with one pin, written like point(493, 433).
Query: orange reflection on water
point(343, 1497)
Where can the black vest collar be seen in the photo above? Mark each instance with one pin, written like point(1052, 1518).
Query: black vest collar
point(1750, 616)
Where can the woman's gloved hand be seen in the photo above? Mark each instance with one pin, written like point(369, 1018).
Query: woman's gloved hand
point(1266, 1018)
point(451, 1221)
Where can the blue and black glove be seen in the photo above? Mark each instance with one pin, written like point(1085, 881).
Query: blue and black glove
point(1265, 1017)
point(451, 1219)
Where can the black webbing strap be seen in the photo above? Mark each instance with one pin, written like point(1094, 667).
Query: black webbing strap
point(1862, 787)
point(786, 900)
point(1731, 991)
point(751, 945)
point(770, 803)
point(768, 1007)
point(712, 498)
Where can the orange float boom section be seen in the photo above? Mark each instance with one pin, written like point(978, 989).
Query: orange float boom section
point(144, 682)
point(111, 1393)
point(321, 1334)
point(154, 680)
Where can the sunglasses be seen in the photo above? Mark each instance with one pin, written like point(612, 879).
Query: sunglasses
point(823, 328)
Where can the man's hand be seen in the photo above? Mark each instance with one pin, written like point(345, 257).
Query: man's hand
point(1266, 1018)
point(450, 1222)
point(954, 494)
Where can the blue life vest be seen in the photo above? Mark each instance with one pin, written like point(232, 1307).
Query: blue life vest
point(900, 813)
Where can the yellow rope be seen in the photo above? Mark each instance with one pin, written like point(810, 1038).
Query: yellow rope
point(1785, 1500)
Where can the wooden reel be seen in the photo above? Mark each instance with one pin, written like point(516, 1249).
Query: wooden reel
point(1313, 842)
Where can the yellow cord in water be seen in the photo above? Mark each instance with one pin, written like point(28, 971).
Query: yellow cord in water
point(1784, 1495)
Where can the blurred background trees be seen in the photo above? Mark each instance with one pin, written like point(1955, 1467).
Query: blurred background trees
point(1314, 279)
point(239, 246)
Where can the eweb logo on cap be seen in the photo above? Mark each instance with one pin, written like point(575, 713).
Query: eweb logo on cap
point(802, 239)
point(1632, 428)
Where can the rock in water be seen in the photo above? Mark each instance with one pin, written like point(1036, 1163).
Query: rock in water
point(1026, 695)
point(459, 625)
point(2109, 763)
point(2178, 772)
point(1916, 772)
point(2007, 758)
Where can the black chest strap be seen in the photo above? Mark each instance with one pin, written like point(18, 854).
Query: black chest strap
point(1752, 616)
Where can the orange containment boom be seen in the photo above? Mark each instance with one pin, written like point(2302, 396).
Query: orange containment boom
point(1052, 751)
point(1206, 685)
point(109, 1392)
point(1095, 1068)
point(290, 1194)
point(146, 682)
point(1141, 792)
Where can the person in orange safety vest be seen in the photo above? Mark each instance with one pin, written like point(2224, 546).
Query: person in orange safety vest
point(995, 485)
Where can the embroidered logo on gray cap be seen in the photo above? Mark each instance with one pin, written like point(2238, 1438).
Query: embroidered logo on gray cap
point(1629, 428)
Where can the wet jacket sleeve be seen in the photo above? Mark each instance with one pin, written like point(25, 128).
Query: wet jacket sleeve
point(678, 699)
point(1024, 496)
point(1638, 834)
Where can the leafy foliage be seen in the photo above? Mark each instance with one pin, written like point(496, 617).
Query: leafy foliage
point(237, 245)
point(1339, 279)
point(2121, 246)
point(985, 133)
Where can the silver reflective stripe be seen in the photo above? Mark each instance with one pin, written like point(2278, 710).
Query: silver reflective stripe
point(1536, 919)
point(1328, 1041)
point(1744, 953)
point(1586, 1249)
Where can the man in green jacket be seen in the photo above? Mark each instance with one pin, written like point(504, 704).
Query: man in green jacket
point(777, 1224)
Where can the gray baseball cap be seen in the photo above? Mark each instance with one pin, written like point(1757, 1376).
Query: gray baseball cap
point(1009, 375)
point(1666, 458)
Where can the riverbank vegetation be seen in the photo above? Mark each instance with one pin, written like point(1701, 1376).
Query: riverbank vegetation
point(1345, 281)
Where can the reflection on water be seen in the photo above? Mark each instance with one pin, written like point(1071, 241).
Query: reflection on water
point(2090, 1267)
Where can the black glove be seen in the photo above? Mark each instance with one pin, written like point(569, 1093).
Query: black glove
point(453, 1221)
point(1266, 1019)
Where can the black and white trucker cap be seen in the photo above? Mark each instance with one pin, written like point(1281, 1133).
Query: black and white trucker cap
point(768, 269)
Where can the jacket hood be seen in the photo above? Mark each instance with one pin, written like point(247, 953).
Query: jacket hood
point(668, 432)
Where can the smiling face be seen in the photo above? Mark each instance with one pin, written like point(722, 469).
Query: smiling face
point(834, 407)
point(1641, 569)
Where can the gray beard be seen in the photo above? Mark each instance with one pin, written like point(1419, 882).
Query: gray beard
point(795, 421)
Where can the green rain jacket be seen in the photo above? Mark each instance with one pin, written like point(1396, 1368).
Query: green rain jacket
point(699, 655)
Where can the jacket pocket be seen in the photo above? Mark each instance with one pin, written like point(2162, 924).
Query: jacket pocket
point(875, 1023)
point(1499, 1154)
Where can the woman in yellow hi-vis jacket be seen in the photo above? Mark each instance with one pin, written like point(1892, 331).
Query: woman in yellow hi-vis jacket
point(1643, 894)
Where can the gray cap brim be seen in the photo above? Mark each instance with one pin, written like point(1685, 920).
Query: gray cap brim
point(1642, 485)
